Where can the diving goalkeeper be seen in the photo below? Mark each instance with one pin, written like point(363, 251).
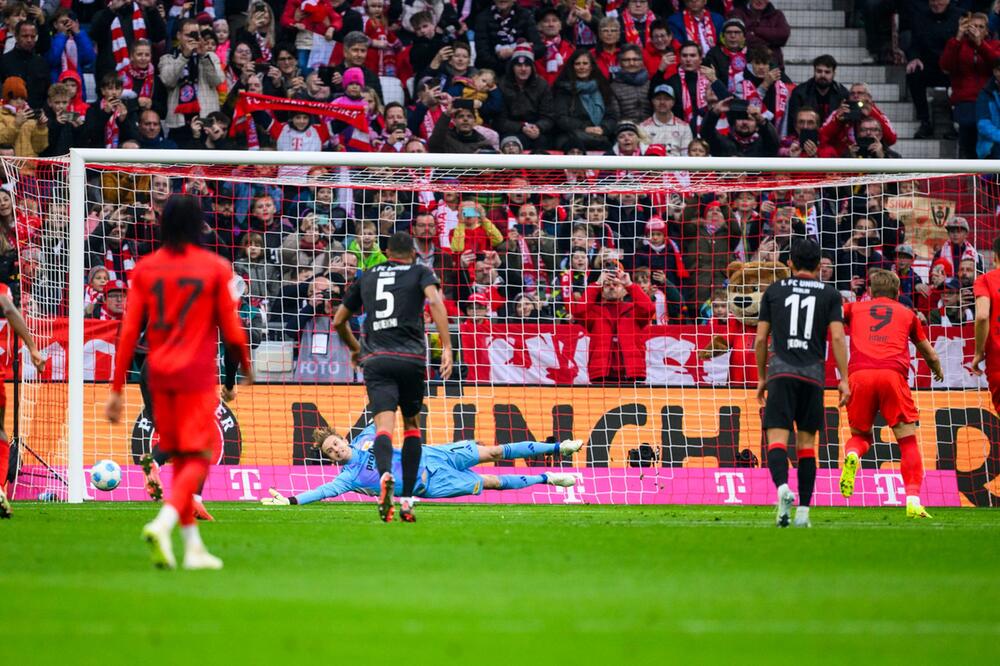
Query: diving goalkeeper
point(444, 470)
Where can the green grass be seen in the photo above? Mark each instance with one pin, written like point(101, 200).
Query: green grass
point(329, 584)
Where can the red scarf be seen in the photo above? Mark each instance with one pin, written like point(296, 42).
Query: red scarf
point(127, 263)
point(111, 131)
point(702, 32)
point(118, 43)
point(737, 67)
point(702, 87)
point(782, 93)
point(430, 119)
point(265, 50)
point(631, 34)
point(144, 77)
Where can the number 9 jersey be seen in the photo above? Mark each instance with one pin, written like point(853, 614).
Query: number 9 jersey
point(392, 297)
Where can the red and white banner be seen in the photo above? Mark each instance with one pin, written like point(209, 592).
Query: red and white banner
point(52, 338)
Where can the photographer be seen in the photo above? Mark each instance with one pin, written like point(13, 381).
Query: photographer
point(804, 140)
point(750, 134)
point(968, 59)
point(191, 74)
point(455, 130)
point(112, 120)
point(858, 255)
point(840, 130)
point(868, 143)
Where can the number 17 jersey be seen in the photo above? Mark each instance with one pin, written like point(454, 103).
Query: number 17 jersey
point(799, 310)
point(392, 297)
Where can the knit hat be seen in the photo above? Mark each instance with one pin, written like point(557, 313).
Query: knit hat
point(627, 126)
point(656, 224)
point(735, 23)
point(953, 223)
point(14, 88)
point(511, 139)
point(523, 51)
point(354, 75)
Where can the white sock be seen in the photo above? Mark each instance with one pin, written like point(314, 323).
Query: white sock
point(197, 497)
point(802, 511)
point(782, 488)
point(167, 518)
point(192, 538)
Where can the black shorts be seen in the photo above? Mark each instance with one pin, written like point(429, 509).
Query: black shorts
point(394, 382)
point(791, 400)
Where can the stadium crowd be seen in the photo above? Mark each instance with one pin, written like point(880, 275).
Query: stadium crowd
point(622, 77)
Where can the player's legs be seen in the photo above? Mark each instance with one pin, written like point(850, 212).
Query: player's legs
point(411, 378)
point(911, 466)
point(861, 412)
point(517, 450)
point(805, 449)
point(5, 510)
point(517, 481)
point(383, 399)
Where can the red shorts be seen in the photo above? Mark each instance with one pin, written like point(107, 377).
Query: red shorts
point(993, 381)
point(3, 397)
point(186, 422)
point(874, 391)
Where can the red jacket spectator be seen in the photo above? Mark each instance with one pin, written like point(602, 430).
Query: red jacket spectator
point(969, 67)
point(766, 26)
point(615, 314)
point(837, 134)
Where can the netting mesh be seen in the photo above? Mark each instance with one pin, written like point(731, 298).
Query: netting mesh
point(604, 306)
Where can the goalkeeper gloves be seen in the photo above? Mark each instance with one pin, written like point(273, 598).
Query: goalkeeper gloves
point(276, 499)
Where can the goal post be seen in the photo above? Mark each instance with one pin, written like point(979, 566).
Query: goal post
point(671, 436)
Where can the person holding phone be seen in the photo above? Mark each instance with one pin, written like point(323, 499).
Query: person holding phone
point(21, 126)
point(191, 73)
point(803, 141)
point(475, 231)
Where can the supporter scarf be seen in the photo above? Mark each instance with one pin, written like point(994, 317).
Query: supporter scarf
point(265, 50)
point(354, 115)
point(701, 31)
point(111, 130)
point(701, 90)
point(70, 57)
point(127, 263)
point(782, 93)
point(430, 119)
point(737, 66)
point(632, 35)
point(107, 316)
point(118, 43)
point(187, 87)
point(583, 35)
point(506, 34)
point(91, 295)
point(144, 77)
point(553, 55)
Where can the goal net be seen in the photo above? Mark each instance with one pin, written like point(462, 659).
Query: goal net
point(603, 299)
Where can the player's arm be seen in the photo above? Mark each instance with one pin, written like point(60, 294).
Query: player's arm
point(338, 486)
point(919, 337)
point(982, 326)
point(838, 341)
point(341, 322)
point(440, 316)
point(760, 353)
point(132, 324)
point(20, 328)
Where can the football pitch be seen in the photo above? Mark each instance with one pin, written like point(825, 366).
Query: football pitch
point(329, 584)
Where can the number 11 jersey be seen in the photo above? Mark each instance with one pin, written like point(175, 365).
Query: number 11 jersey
point(392, 297)
point(799, 310)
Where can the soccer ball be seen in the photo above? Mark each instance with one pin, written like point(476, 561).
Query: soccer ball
point(106, 475)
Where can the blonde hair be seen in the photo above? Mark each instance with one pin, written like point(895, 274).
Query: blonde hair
point(883, 283)
point(320, 434)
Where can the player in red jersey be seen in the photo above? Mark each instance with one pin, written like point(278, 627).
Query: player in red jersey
point(13, 315)
point(987, 293)
point(183, 295)
point(881, 330)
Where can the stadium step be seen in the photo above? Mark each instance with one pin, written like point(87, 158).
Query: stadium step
point(848, 74)
point(816, 18)
point(800, 5)
point(926, 148)
point(857, 55)
point(823, 37)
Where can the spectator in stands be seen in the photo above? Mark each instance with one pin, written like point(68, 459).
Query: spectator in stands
point(636, 22)
point(260, 27)
point(729, 57)
point(284, 78)
point(585, 108)
point(606, 52)
point(867, 143)
point(20, 126)
point(909, 281)
point(953, 310)
point(615, 312)
point(662, 256)
point(766, 84)
point(527, 104)
point(430, 253)
point(151, 132)
point(581, 19)
point(451, 62)
point(821, 93)
point(239, 66)
point(427, 41)
point(658, 54)
point(557, 49)
point(114, 29)
point(840, 129)
point(113, 304)
point(958, 247)
point(988, 117)
point(190, 77)
point(750, 134)
point(140, 81)
point(263, 278)
point(112, 119)
point(475, 232)
point(355, 55)
point(307, 248)
point(108, 244)
point(501, 27)
point(931, 25)
point(698, 148)
point(23, 62)
point(455, 130)
point(776, 244)
point(696, 24)
point(630, 84)
point(693, 82)
point(709, 242)
point(64, 126)
point(857, 256)
point(968, 59)
point(630, 141)
point(804, 141)
point(765, 27)
point(365, 245)
point(664, 128)
point(71, 48)
point(93, 292)
point(928, 296)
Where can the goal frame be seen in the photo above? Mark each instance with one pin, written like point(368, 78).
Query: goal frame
point(80, 157)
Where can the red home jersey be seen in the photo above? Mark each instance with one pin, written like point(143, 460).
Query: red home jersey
point(182, 298)
point(988, 285)
point(880, 331)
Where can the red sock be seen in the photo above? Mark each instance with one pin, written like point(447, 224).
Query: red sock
point(859, 444)
point(4, 458)
point(912, 465)
point(189, 473)
point(777, 445)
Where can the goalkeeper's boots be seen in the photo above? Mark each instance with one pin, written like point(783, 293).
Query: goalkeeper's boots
point(560, 479)
point(915, 510)
point(151, 470)
point(5, 510)
point(570, 446)
point(276, 499)
point(848, 472)
point(200, 512)
point(197, 558)
point(786, 499)
point(161, 549)
point(385, 507)
point(406, 510)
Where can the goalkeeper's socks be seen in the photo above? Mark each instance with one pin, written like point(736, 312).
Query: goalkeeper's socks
point(411, 461)
point(777, 462)
point(382, 450)
point(859, 444)
point(516, 481)
point(528, 449)
point(807, 476)
point(911, 465)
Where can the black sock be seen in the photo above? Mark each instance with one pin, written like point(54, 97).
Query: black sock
point(293, 500)
point(777, 462)
point(411, 462)
point(382, 450)
point(807, 480)
point(159, 457)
